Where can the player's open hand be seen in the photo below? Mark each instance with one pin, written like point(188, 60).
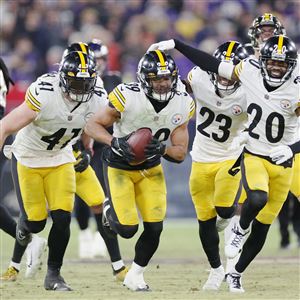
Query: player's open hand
point(163, 46)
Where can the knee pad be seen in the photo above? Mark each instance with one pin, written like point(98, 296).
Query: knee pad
point(125, 231)
point(225, 212)
point(61, 219)
point(35, 226)
point(153, 229)
point(257, 199)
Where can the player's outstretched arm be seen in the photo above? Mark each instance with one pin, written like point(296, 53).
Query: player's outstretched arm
point(200, 58)
point(15, 120)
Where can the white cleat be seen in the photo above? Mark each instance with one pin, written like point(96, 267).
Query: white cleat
point(98, 247)
point(215, 278)
point(234, 281)
point(235, 242)
point(135, 282)
point(221, 223)
point(85, 243)
point(35, 252)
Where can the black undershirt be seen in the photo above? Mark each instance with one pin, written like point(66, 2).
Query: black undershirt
point(157, 105)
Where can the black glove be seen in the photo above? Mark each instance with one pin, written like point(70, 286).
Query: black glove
point(155, 147)
point(121, 147)
point(82, 161)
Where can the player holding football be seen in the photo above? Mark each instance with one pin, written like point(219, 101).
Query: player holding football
point(155, 102)
point(272, 91)
point(49, 121)
point(221, 120)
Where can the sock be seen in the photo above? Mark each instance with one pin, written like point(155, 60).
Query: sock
point(135, 268)
point(117, 265)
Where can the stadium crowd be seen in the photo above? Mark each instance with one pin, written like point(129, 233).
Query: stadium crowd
point(34, 33)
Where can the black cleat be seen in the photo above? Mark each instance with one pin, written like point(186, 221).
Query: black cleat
point(55, 282)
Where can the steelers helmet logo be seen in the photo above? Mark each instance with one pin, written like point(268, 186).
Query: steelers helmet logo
point(176, 119)
point(285, 104)
point(236, 110)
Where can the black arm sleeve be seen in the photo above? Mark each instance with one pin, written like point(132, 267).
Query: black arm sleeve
point(200, 58)
point(295, 147)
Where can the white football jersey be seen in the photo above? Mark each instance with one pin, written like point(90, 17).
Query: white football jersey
point(137, 111)
point(271, 115)
point(218, 120)
point(48, 140)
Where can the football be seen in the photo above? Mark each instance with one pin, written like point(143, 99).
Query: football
point(138, 141)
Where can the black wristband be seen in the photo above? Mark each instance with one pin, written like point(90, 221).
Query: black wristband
point(200, 58)
point(295, 147)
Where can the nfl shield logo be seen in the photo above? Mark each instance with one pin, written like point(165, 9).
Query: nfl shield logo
point(70, 118)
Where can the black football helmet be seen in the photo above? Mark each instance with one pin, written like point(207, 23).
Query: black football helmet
point(232, 52)
point(266, 19)
point(100, 53)
point(278, 48)
point(78, 46)
point(153, 66)
point(78, 75)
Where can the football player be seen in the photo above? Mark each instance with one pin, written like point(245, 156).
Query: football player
point(49, 121)
point(221, 116)
point(156, 102)
point(264, 27)
point(7, 223)
point(272, 92)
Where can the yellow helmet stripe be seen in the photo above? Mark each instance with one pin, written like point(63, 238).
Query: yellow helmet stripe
point(83, 48)
point(267, 16)
point(229, 50)
point(161, 59)
point(280, 43)
point(82, 60)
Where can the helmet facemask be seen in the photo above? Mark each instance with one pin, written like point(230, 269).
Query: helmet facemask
point(79, 89)
point(257, 28)
point(283, 55)
point(78, 76)
point(153, 75)
point(230, 52)
point(224, 86)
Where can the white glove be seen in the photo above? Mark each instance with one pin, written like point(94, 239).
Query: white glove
point(280, 154)
point(164, 45)
point(239, 140)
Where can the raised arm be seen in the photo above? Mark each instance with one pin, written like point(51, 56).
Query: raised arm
point(200, 58)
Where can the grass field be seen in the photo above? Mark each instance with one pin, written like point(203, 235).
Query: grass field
point(177, 271)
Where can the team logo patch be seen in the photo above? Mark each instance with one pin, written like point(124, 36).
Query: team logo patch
point(285, 104)
point(236, 110)
point(87, 116)
point(176, 119)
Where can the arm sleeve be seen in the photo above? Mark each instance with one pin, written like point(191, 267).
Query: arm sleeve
point(200, 58)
